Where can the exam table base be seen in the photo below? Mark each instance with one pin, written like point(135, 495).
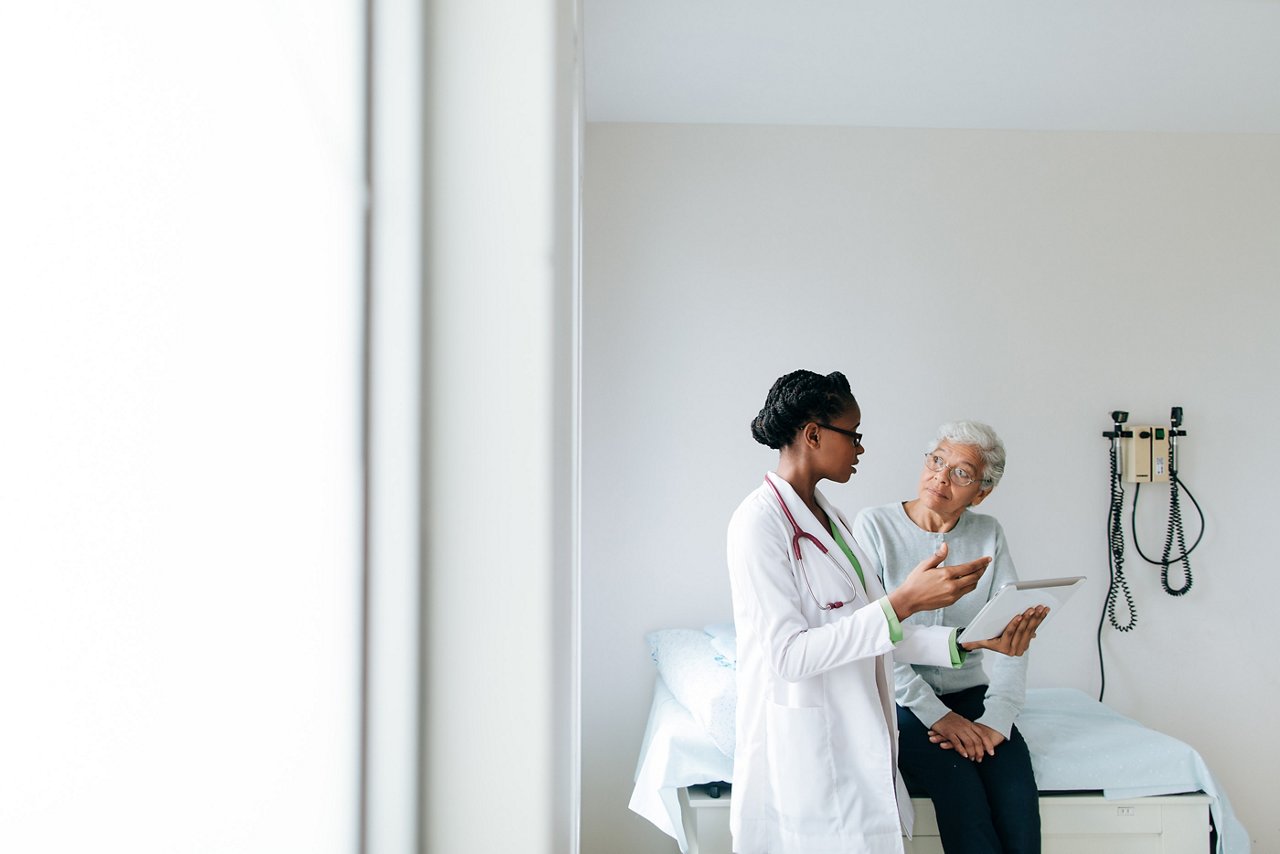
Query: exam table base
point(1070, 823)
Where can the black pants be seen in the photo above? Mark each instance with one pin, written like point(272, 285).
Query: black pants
point(987, 807)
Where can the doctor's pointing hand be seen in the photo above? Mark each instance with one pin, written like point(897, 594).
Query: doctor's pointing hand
point(931, 585)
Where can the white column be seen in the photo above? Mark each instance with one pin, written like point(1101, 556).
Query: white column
point(392, 767)
point(502, 125)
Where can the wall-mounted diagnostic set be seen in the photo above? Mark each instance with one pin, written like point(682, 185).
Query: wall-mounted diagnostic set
point(1144, 454)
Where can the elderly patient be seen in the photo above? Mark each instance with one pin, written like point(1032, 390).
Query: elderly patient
point(957, 741)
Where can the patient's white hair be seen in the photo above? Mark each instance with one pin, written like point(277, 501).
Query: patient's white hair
point(980, 436)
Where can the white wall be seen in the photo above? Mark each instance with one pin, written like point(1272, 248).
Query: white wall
point(1032, 280)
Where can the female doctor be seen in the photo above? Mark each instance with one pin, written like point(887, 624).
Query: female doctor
point(814, 768)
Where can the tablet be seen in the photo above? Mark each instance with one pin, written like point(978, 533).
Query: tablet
point(1016, 597)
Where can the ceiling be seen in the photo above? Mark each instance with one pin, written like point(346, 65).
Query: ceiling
point(1088, 65)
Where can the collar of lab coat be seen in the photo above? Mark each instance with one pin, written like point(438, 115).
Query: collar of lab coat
point(809, 523)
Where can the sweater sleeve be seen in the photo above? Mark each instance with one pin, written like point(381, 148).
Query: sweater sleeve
point(1007, 691)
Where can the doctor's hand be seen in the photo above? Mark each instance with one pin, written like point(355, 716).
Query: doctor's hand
point(930, 586)
point(970, 739)
point(1016, 636)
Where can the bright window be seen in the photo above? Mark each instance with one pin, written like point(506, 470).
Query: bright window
point(180, 298)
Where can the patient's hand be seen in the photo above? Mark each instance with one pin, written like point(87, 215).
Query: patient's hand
point(1016, 636)
point(970, 739)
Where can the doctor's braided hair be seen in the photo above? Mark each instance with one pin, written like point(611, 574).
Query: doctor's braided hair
point(796, 399)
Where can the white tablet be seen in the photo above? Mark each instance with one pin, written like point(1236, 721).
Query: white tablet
point(1016, 597)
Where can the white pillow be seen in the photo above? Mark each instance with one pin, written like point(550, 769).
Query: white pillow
point(707, 687)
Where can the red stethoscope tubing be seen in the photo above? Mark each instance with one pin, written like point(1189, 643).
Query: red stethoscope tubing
point(800, 534)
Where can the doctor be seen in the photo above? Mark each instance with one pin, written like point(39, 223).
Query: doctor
point(815, 769)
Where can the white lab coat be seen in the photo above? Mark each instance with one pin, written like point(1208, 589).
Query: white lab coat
point(815, 769)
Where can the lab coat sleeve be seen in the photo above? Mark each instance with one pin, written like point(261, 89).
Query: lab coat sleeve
point(924, 645)
point(766, 594)
point(1007, 690)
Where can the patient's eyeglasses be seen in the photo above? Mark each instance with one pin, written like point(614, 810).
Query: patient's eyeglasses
point(959, 474)
point(856, 437)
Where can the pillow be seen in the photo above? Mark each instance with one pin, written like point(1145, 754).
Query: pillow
point(706, 687)
point(724, 640)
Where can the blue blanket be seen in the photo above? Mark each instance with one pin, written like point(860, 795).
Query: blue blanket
point(1078, 743)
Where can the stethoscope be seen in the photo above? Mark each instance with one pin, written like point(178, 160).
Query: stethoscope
point(800, 534)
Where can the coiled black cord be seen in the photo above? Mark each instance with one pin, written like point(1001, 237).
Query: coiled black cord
point(1115, 541)
point(1175, 532)
point(1115, 564)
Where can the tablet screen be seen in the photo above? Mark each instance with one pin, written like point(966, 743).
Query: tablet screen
point(1016, 597)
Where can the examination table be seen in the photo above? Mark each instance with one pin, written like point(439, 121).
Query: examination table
point(1107, 783)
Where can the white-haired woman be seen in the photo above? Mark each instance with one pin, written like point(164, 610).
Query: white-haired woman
point(958, 744)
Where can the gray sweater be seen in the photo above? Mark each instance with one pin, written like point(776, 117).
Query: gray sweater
point(895, 545)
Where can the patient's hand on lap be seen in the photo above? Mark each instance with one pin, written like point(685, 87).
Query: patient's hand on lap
point(970, 739)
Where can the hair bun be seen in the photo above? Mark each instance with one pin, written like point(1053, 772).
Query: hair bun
point(796, 399)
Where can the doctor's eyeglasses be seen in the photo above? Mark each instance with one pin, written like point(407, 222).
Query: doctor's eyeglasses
point(959, 474)
point(856, 437)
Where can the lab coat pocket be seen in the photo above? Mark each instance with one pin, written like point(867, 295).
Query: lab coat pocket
point(800, 768)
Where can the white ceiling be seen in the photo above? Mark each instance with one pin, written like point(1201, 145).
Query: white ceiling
point(1109, 65)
